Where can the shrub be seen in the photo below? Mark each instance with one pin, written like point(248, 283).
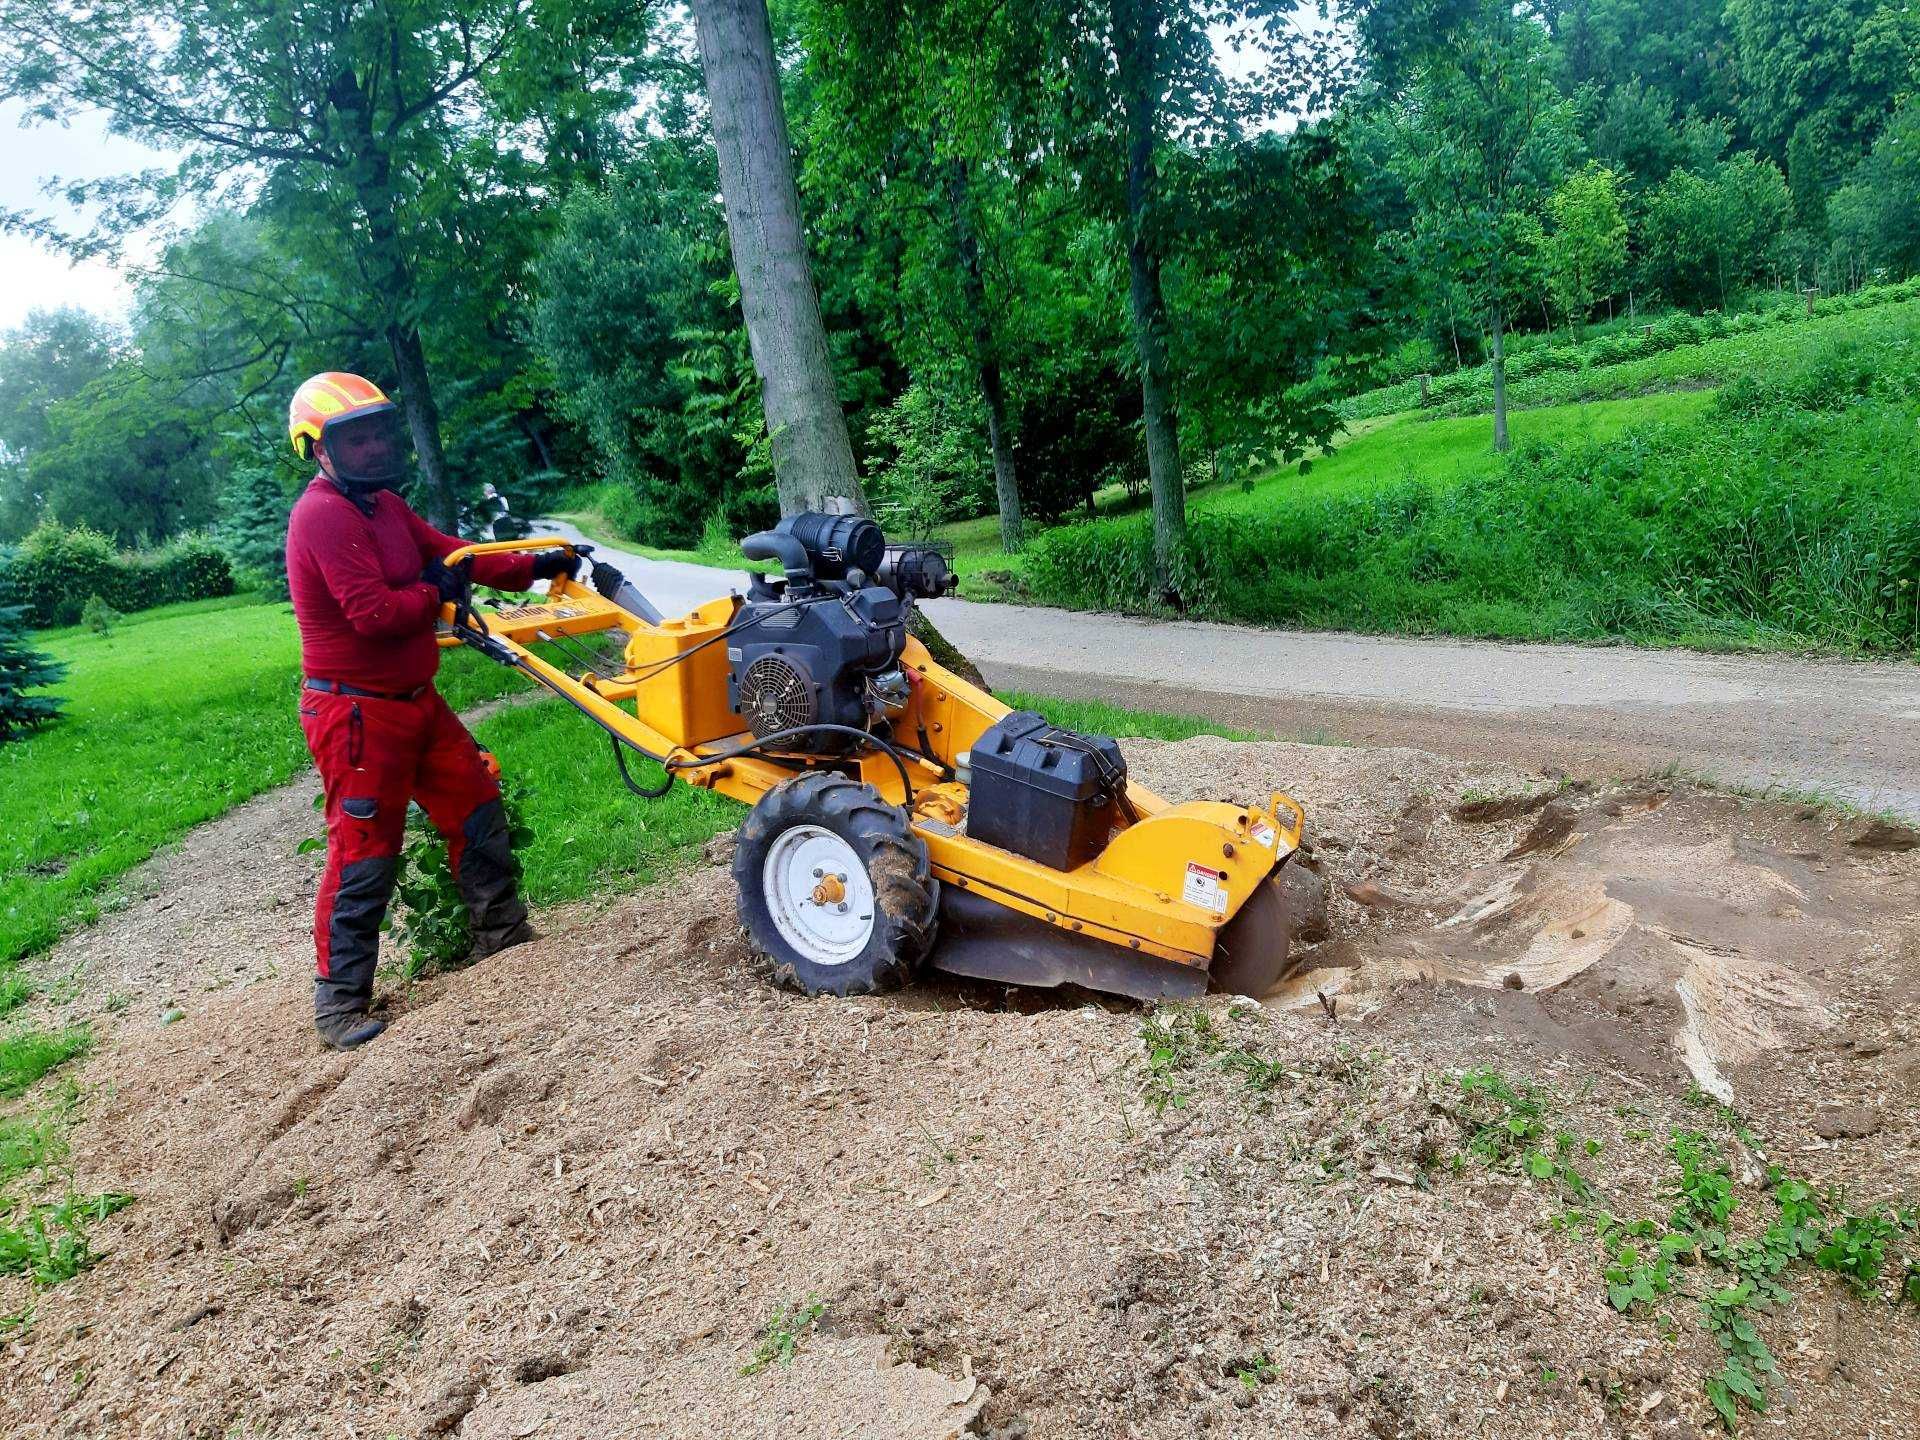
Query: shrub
point(23, 670)
point(57, 570)
point(99, 617)
point(253, 525)
point(1470, 389)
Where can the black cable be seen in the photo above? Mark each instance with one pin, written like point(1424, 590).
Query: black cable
point(620, 764)
point(579, 654)
point(745, 622)
point(762, 741)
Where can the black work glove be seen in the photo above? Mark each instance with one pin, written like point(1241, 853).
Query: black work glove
point(452, 581)
point(549, 563)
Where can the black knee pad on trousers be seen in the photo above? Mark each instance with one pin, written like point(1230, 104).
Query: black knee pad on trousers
point(489, 877)
point(353, 935)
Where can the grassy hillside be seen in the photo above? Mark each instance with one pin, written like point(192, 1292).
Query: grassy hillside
point(176, 716)
point(1755, 490)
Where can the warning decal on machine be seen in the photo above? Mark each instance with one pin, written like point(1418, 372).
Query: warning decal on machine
point(1265, 833)
point(1203, 888)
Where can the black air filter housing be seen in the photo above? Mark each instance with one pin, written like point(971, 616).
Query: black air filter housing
point(1045, 792)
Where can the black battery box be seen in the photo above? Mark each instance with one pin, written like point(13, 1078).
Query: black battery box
point(1043, 792)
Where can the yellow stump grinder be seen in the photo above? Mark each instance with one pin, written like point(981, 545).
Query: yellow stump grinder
point(901, 815)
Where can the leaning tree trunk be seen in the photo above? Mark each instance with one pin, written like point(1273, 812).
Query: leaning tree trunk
point(986, 356)
point(372, 170)
point(1137, 23)
point(812, 457)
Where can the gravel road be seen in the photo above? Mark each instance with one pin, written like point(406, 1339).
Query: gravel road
point(1849, 730)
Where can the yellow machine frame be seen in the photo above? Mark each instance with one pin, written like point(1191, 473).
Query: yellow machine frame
point(1164, 885)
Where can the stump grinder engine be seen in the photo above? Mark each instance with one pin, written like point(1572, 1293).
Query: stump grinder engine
point(900, 815)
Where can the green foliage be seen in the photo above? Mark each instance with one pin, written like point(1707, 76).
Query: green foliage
point(1587, 248)
point(1705, 236)
point(1180, 1039)
point(936, 467)
point(1784, 526)
point(638, 323)
point(24, 670)
point(1856, 1249)
point(1871, 216)
point(1645, 1261)
point(56, 570)
point(49, 1243)
point(781, 1337)
point(98, 616)
point(253, 524)
point(27, 1054)
point(428, 917)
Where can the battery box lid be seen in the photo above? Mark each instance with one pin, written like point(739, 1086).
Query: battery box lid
point(1023, 746)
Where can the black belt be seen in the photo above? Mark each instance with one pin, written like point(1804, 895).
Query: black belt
point(334, 687)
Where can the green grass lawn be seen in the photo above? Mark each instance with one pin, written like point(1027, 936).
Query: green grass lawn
point(1374, 453)
point(1714, 362)
point(179, 714)
point(1100, 718)
point(1443, 451)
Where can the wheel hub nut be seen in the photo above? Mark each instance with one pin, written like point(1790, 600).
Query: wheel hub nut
point(830, 891)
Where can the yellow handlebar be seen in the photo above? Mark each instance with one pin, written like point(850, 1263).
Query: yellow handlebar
point(506, 547)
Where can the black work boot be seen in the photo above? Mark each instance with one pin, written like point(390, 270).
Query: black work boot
point(492, 942)
point(347, 1028)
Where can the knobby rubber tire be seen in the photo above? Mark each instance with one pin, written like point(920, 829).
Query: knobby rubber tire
point(906, 896)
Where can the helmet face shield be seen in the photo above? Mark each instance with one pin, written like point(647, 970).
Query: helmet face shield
point(367, 450)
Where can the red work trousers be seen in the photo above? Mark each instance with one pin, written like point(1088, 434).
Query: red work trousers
point(375, 755)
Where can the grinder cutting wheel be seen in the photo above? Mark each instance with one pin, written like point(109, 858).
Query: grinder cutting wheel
point(901, 815)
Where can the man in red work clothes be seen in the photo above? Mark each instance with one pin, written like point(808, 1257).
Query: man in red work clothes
point(368, 582)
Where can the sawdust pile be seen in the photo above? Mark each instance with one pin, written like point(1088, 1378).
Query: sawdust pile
point(565, 1193)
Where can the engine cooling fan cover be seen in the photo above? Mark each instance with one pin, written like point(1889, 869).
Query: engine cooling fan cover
point(776, 694)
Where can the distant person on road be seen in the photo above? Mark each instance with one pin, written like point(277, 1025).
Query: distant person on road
point(368, 582)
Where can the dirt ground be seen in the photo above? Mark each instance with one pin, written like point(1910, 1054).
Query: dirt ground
point(565, 1192)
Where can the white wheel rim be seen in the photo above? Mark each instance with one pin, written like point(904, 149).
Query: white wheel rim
point(819, 895)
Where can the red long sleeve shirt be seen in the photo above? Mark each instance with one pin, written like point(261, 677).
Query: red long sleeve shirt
point(366, 617)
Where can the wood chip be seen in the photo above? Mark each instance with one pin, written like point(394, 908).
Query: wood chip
point(654, 1080)
point(1652, 1402)
point(932, 1197)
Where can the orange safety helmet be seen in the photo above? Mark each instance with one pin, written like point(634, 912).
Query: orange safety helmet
point(337, 405)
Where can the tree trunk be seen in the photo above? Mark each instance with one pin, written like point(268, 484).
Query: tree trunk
point(423, 420)
point(812, 457)
point(1500, 441)
point(1136, 26)
point(986, 354)
point(530, 426)
point(372, 172)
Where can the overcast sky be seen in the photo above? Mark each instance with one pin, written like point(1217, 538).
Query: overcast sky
point(32, 276)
